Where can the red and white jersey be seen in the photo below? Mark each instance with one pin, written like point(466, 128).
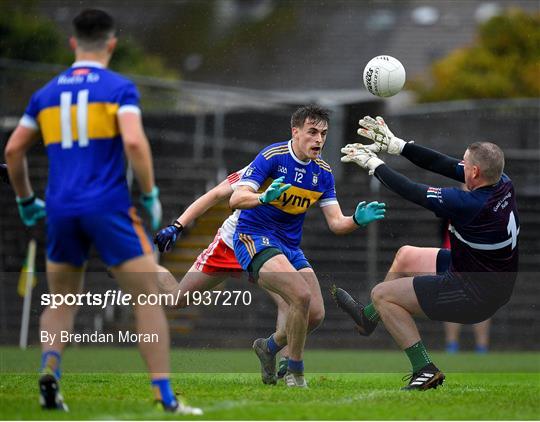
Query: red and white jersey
point(229, 225)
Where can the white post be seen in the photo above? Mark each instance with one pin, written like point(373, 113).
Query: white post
point(30, 273)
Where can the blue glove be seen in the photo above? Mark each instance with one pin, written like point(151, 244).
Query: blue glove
point(274, 191)
point(167, 237)
point(31, 209)
point(366, 214)
point(150, 201)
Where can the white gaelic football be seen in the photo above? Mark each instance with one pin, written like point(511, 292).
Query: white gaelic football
point(384, 76)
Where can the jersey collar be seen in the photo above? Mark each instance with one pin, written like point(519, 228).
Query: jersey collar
point(88, 63)
point(298, 160)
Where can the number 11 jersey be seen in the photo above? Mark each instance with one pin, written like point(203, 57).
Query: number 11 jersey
point(77, 114)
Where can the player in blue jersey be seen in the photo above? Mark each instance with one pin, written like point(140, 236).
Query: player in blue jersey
point(468, 283)
point(275, 192)
point(88, 118)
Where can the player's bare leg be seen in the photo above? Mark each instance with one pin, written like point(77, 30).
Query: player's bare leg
point(451, 333)
point(316, 305)
point(409, 261)
point(481, 336)
point(193, 281)
point(396, 303)
point(316, 315)
point(412, 260)
point(62, 279)
point(282, 309)
point(138, 277)
point(279, 276)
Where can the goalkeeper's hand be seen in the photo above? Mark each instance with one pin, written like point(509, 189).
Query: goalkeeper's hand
point(361, 156)
point(274, 191)
point(366, 214)
point(166, 238)
point(31, 209)
point(150, 201)
point(384, 140)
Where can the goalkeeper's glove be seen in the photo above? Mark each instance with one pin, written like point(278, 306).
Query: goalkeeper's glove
point(31, 209)
point(166, 238)
point(150, 201)
point(384, 140)
point(362, 156)
point(366, 214)
point(274, 191)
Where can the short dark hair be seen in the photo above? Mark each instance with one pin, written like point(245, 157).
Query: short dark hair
point(312, 112)
point(489, 158)
point(93, 27)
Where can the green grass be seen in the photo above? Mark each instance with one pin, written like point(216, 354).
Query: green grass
point(496, 386)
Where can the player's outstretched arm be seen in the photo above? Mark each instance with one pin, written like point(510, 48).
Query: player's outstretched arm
point(205, 202)
point(31, 209)
point(245, 197)
point(393, 180)
point(385, 141)
point(433, 161)
point(139, 154)
point(363, 215)
point(403, 186)
point(167, 236)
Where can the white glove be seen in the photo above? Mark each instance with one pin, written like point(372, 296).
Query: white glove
point(380, 134)
point(362, 156)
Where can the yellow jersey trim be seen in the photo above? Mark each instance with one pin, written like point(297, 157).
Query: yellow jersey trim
point(102, 122)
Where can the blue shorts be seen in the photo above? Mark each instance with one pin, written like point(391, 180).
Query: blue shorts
point(118, 236)
point(246, 246)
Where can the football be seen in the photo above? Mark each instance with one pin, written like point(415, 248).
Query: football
point(384, 76)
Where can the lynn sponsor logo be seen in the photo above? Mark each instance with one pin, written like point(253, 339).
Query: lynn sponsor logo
point(294, 200)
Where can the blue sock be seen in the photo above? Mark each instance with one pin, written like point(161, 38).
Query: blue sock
point(481, 349)
point(163, 391)
point(452, 347)
point(296, 366)
point(272, 346)
point(50, 362)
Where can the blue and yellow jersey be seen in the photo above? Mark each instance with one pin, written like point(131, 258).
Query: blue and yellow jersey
point(312, 181)
point(76, 113)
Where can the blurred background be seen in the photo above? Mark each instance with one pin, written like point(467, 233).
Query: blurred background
point(219, 80)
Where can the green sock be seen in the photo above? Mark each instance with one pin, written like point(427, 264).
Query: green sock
point(371, 313)
point(418, 356)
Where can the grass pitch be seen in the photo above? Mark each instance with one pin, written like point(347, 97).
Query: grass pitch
point(111, 384)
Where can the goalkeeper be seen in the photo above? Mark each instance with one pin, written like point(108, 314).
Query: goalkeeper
point(468, 283)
